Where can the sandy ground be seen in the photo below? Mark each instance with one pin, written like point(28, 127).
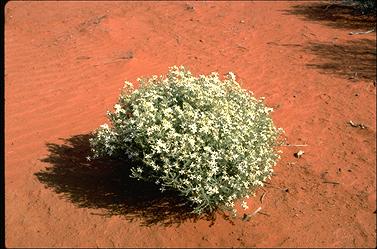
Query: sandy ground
point(65, 63)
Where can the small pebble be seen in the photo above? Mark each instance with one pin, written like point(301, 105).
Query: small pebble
point(246, 217)
point(190, 7)
point(299, 153)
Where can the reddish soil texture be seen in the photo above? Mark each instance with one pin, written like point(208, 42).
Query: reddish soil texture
point(65, 63)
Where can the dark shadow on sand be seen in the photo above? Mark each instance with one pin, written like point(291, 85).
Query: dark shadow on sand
point(335, 14)
point(105, 185)
point(354, 60)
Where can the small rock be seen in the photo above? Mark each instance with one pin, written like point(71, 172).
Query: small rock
point(189, 7)
point(246, 217)
point(127, 55)
point(84, 57)
point(299, 153)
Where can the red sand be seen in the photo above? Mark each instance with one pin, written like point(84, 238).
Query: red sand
point(65, 63)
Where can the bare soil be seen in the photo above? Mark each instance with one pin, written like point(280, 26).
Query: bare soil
point(65, 63)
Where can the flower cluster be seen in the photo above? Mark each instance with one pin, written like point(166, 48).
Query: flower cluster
point(206, 138)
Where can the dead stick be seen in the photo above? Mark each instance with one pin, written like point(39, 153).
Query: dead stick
point(264, 213)
point(331, 182)
point(256, 211)
point(262, 197)
point(297, 145)
point(361, 32)
point(113, 61)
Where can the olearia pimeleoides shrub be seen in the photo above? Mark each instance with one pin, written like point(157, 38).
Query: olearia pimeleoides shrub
point(206, 138)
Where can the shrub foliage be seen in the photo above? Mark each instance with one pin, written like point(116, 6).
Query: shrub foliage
point(206, 138)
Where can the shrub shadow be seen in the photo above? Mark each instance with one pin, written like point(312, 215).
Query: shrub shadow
point(105, 185)
point(355, 60)
point(344, 15)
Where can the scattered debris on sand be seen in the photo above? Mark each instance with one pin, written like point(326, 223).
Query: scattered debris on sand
point(360, 125)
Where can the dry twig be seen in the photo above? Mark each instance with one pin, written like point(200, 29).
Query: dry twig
point(331, 182)
point(294, 145)
point(264, 213)
point(256, 211)
point(262, 197)
point(362, 126)
point(361, 32)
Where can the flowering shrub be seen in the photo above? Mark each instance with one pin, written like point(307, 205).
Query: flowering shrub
point(204, 137)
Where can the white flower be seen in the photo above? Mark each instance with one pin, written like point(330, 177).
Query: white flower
point(166, 125)
point(168, 111)
point(207, 148)
point(105, 126)
point(232, 76)
point(193, 127)
point(230, 204)
point(267, 109)
point(129, 84)
point(117, 108)
point(244, 205)
point(191, 142)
